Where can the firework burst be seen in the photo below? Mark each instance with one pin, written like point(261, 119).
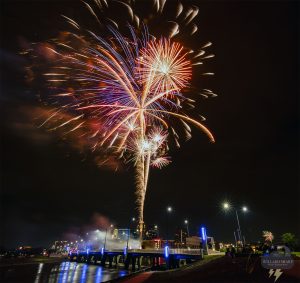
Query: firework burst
point(268, 236)
point(133, 86)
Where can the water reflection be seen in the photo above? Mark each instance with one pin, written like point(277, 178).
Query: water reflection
point(64, 272)
point(38, 274)
point(72, 272)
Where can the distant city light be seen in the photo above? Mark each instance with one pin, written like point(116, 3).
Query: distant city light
point(169, 209)
point(133, 219)
point(186, 221)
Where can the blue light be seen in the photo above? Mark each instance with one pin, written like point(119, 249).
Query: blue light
point(125, 251)
point(203, 233)
point(98, 278)
point(87, 251)
point(102, 251)
point(83, 274)
point(166, 251)
point(122, 273)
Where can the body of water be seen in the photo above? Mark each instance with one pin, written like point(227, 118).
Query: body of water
point(64, 272)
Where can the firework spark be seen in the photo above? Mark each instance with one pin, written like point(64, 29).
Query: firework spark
point(268, 236)
point(134, 86)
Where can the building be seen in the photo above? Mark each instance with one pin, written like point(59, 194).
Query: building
point(151, 233)
point(180, 238)
point(59, 246)
point(151, 244)
point(120, 234)
point(195, 242)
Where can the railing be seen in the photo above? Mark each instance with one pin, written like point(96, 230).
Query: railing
point(186, 251)
point(152, 251)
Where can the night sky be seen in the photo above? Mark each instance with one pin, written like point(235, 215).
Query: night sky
point(49, 189)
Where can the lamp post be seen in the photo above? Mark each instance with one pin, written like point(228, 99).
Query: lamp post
point(128, 232)
point(169, 211)
point(244, 209)
point(105, 240)
point(156, 228)
point(186, 222)
point(204, 239)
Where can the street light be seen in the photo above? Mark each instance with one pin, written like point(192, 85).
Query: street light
point(128, 232)
point(157, 231)
point(226, 205)
point(244, 209)
point(169, 210)
point(186, 222)
point(104, 246)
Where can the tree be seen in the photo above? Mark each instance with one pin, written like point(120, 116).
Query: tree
point(289, 239)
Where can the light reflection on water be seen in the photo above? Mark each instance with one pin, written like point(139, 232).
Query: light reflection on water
point(38, 274)
point(73, 272)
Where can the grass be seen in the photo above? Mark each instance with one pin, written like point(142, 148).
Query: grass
point(207, 259)
point(297, 254)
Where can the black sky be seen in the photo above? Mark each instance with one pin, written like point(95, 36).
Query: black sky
point(46, 188)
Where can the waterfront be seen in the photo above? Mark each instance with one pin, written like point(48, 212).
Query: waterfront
point(222, 269)
point(62, 272)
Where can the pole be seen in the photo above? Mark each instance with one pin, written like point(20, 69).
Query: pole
point(239, 228)
point(167, 227)
point(128, 236)
point(187, 229)
point(180, 236)
point(235, 238)
point(204, 239)
point(105, 239)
